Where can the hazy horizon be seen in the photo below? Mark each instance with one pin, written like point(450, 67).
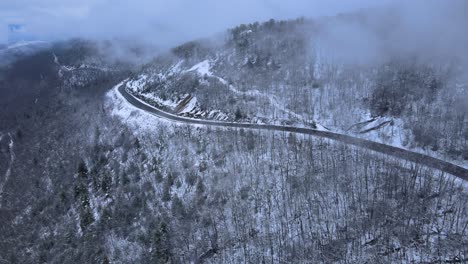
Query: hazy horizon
point(159, 23)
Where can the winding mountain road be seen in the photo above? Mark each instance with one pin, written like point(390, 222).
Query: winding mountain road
point(415, 157)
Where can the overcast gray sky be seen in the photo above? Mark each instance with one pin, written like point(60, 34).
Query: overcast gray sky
point(160, 21)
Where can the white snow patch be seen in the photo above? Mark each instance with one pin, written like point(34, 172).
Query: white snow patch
point(321, 128)
point(129, 252)
point(175, 69)
point(8, 171)
point(140, 119)
point(273, 100)
point(202, 68)
point(69, 68)
point(138, 84)
point(169, 103)
point(395, 134)
point(62, 67)
point(133, 116)
point(191, 105)
point(56, 60)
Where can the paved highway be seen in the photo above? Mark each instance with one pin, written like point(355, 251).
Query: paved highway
point(419, 158)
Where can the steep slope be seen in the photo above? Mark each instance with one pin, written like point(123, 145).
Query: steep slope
point(282, 73)
point(92, 179)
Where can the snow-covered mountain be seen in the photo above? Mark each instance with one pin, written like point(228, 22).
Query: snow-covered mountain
point(278, 73)
point(87, 177)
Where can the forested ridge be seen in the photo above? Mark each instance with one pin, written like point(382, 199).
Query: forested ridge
point(283, 72)
point(88, 178)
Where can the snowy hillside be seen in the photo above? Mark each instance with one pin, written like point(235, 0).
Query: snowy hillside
point(279, 73)
point(92, 171)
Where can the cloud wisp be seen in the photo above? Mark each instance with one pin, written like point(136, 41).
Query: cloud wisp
point(431, 30)
point(157, 21)
point(425, 28)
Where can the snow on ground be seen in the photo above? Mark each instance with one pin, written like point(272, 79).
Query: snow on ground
point(115, 245)
point(8, 171)
point(138, 84)
point(56, 60)
point(273, 100)
point(62, 67)
point(175, 69)
point(136, 118)
point(68, 68)
point(202, 68)
point(191, 105)
point(461, 87)
point(317, 62)
point(192, 110)
point(321, 128)
point(391, 133)
point(395, 134)
point(387, 131)
point(435, 154)
point(246, 32)
point(380, 129)
point(169, 103)
point(139, 119)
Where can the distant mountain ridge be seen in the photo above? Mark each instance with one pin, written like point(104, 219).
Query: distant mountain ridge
point(10, 53)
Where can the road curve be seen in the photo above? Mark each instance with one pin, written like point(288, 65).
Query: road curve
point(415, 157)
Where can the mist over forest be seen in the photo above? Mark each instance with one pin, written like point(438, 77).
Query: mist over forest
point(233, 132)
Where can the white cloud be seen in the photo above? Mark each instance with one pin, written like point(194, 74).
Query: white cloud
point(160, 21)
point(3, 33)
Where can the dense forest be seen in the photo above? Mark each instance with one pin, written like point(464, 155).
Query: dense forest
point(85, 177)
point(281, 72)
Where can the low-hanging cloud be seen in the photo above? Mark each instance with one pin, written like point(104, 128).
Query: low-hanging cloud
point(161, 22)
point(426, 30)
point(387, 28)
